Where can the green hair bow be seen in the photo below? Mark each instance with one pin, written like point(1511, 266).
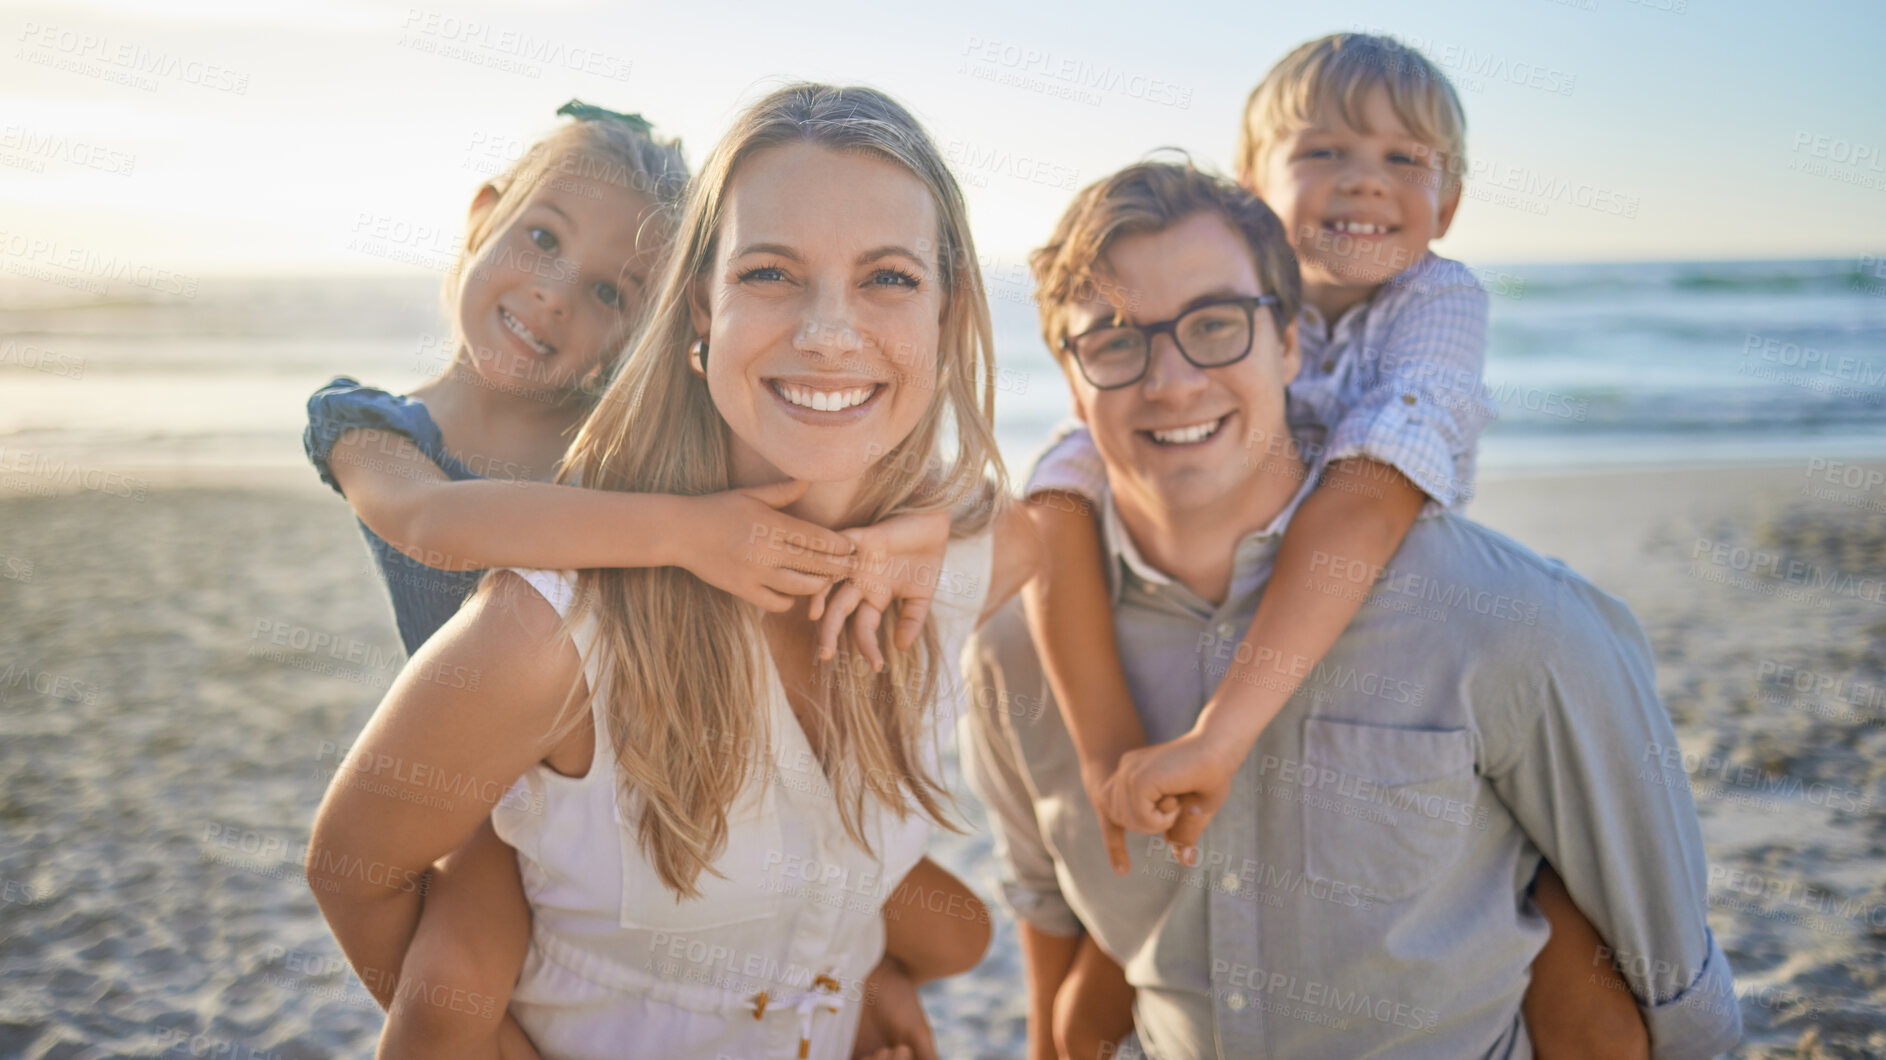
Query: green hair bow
point(581, 111)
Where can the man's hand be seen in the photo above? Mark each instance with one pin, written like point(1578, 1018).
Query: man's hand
point(899, 559)
point(738, 541)
point(892, 1026)
point(1174, 787)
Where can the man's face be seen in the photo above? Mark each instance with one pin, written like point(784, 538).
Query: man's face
point(1176, 442)
point(1360, 206)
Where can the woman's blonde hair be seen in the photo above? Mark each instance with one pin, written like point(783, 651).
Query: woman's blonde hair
point(614, 151)
point(684, 663)
point(1342, 69)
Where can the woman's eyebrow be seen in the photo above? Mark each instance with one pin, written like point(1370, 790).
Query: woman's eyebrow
point(890, 250)
point(780, 249)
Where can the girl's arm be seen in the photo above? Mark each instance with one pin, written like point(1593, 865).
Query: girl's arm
point(381, 826)
point(736, 540)
point(1354, 521)
point(1070, 618)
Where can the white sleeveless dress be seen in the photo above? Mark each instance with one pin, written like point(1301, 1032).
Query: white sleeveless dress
point(771, 960)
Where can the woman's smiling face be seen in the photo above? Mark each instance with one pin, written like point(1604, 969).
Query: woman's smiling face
point(822, 310)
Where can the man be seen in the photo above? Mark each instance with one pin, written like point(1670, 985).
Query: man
point(1363, 890)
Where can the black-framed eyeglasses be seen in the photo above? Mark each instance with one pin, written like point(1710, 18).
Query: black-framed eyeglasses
point(1209, 335)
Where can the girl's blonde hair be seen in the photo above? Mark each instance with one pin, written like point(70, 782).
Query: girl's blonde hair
point(612, 151)
point(684, 663)
point(1342, 69)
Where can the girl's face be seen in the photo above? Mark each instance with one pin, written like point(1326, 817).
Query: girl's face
point(553, 293)
point(822, 309)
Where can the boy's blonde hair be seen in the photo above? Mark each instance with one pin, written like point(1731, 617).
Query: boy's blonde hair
point(683, 664)
point(1151, 197)
point(1342, 69)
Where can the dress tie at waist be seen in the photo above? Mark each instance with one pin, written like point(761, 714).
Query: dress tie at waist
point(822, 995)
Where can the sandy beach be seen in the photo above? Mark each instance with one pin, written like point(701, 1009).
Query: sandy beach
point(181, 664)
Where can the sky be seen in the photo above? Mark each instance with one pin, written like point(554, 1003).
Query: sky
point(206, 137)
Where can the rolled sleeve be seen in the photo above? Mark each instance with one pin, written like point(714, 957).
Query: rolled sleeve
point(1029, 886)
point(1590, 777)
point(1069, 463)
point(1424, 405)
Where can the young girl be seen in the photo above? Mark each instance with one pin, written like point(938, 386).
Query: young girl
point(452, 479)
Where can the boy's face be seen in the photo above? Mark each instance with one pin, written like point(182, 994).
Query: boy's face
point(1200, 257)
point(1360, 207)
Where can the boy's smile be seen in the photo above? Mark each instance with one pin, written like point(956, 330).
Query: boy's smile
point(1360, 206)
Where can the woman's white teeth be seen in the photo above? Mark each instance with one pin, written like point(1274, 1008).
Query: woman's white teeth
point(824, 400)
point(1198, 432)
point(1358, 228)
point(517, 328)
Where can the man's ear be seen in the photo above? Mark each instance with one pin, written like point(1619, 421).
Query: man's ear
point(1450, 201)
point(1072, 375)
point(1290, 361)
point(482, 204)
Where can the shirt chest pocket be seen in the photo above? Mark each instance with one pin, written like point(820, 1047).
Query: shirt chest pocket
point(745, 888)
point(1385, 809)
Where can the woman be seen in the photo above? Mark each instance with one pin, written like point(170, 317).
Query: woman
point(687, 787)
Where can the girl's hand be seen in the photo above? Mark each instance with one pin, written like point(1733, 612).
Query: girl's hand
point(739, 542)
point(892, 1026)
point(898, 559)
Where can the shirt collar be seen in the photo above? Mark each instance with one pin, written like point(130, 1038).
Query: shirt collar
point(1255, 549)
point(1356, 314)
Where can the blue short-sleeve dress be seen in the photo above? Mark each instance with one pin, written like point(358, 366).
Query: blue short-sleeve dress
point(423, 597)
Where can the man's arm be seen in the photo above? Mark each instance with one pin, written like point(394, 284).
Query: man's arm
point(1588, 767)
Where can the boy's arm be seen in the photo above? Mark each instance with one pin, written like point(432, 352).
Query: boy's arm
point(1354, 521)
point(1576, 1004)
point(1070, 618)
point(736, 540)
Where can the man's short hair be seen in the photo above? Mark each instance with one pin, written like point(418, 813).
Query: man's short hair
point(1144, 198)
point(1341, 69)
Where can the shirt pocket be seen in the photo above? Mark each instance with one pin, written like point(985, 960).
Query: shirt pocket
point(1383, 808)
point(745, 889)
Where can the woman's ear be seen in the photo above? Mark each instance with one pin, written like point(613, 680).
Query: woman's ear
point(697, 306)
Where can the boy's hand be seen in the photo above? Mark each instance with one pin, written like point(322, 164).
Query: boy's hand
point(1174, 787)
point(1095, 778)
point(892, 1026)
point(898, 559)
point(739, 542)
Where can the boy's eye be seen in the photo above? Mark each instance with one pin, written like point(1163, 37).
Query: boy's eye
point(894, 278)
point(1317, 152)
point(608, 295)
point(544, 240)
point(763, 274)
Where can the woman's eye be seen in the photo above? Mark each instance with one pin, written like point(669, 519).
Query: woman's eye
point(544, 240)
point(608, 295)
point(894, 278)
point(763, 274)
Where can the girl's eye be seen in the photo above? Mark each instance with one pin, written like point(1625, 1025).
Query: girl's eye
point(894, 278)
point(762, 274)
point(544, 240)
point(608, 295)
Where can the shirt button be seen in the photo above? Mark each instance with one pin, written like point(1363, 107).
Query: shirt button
point(1407, 399)
point(1224, 630)
point(1230, 881)
point(1235, 1000)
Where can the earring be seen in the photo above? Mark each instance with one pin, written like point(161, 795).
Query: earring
point(697, 357)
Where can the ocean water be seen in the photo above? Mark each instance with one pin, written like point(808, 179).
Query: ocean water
point(1594, 365)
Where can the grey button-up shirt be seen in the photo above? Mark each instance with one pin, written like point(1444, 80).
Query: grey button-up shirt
point(1364, 891)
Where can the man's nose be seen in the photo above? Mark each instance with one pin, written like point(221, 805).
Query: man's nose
point(1169, 376)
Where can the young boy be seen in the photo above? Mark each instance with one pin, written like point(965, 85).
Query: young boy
point(1357, 142)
